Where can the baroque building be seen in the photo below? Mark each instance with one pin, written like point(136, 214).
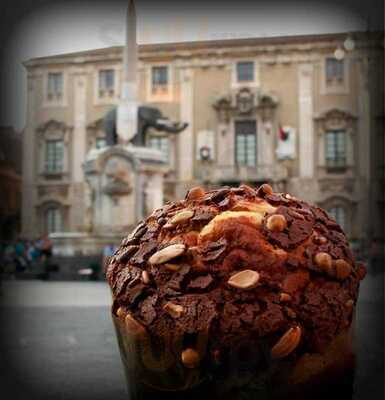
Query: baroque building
point(282, 110)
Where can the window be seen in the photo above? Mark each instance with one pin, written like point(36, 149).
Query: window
point(106, 82)
point(100, 143)
point(53, 220)
point(245, 71)
point(55, 86)
point(335, 149)
point(245, 143)
point(54, 156)
point(159, 80)
point(334, 70)
point(338, 213)
point(161, 143)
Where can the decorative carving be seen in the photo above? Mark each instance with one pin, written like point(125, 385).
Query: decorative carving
point(245, 102)
point(336, 186)
point(334, 119)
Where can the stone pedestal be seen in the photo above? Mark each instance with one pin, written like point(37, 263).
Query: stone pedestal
point(124, 185)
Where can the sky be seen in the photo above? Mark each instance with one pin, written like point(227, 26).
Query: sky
point(71, 26)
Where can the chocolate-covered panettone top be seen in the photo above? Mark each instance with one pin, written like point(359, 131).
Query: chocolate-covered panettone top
point(238, 262)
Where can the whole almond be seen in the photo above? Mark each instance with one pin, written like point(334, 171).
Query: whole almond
point(145, 277)
point(276, 223)
point(324, 262)
point(288, 342)
point(190, 358)
point(175, 310)
point(343, 269)
point(181, 217)
point(195, 193)
point(246, 279)
point(167, 254)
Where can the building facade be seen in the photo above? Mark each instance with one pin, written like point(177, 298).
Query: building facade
point(280, 110)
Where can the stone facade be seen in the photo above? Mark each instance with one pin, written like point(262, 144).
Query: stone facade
point(239, 97)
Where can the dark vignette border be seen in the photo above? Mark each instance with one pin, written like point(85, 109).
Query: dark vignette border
point(12, 382)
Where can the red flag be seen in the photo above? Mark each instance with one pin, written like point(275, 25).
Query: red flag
point(283, 135)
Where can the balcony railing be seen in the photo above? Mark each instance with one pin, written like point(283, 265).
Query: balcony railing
point(242, 173)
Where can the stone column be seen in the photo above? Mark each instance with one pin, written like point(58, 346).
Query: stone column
point(77, 212)
point(186, 137)
point(305, 114)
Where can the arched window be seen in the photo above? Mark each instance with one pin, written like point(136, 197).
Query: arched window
point(339, 214)
point(53, 220)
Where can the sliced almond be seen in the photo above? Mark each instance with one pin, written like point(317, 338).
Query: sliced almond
point(284, 297)
point(190, 358)
point(181, 217)
point(246, 279)
point(120, 312)
point(343, 269)
point(167, 254)
point(276, 223)
point(288, 342)
point(175, 310)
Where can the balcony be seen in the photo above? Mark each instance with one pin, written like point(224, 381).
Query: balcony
point(242, 173)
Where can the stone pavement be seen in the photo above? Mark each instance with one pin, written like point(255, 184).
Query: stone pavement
point(58, 342)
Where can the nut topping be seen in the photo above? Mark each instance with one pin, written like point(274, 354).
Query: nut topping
point(276, 223)
point(288, 342)
point(246, 279)
point(172, 267)
point(349, 303)
point(265, 189)
point(324, 262)
point(120, 312)
point(320, 239)
point(343, 269)
point(190, 358)
point(182, 217)
point(175, 310)
point(145, 277)
point(167, 254)
point(195, 193)
point(284, 297)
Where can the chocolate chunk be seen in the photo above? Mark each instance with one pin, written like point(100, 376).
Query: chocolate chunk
point(298, 229)
point(126, 253)
point(127, 277)
point(270, 320)
point(225, 204)
point(144, 252)
point(199, 311)
point(202, 282)
point(173, 287)
point(204, 214)
point(147, 309)
point(211, 251)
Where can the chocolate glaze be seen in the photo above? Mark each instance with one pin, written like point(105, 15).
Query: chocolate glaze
point(284, 260)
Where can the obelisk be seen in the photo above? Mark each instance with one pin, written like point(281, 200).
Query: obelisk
point(128, 107)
